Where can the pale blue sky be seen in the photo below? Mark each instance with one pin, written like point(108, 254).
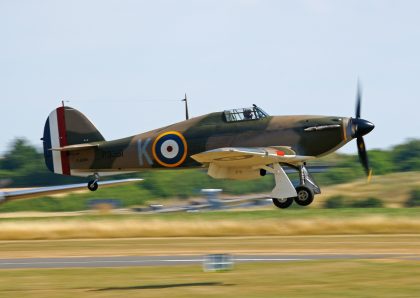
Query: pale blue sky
point(123, 63)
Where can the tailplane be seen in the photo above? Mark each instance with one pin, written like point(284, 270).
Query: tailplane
point(64, 127)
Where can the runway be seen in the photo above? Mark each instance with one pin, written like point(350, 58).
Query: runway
point(133, 261)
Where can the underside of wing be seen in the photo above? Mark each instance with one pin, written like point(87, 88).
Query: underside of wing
point(249, 157)
point(246, 163)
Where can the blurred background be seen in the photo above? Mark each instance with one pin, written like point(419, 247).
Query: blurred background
point(396, 182)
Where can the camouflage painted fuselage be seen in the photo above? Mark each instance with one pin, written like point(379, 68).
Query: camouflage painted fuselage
point(311, 136)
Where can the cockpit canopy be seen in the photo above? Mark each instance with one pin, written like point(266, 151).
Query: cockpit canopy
point(245, 114)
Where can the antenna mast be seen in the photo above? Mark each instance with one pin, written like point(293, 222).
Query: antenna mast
point(186, 107)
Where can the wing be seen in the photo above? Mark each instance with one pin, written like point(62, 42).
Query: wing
point(42, 191)
point(251, 163)
point(249, 157)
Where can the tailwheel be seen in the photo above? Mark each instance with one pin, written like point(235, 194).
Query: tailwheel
point(93, 185)
point(282, 203)
point(305, 196)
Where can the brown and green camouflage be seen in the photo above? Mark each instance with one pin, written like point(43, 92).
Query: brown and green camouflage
point(73, 146)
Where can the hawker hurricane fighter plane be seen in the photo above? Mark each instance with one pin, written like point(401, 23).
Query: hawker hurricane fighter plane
point(244, 143)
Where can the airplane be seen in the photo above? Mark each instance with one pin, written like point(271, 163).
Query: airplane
point(243, 144)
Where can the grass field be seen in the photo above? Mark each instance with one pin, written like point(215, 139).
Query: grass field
point(356, 278)
point(270, 212)
point(392, 189)
point(216, 224)
point(326, 244)
point(322, 278)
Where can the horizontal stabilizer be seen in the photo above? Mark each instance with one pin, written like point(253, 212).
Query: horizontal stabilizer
point(59, 189)
point(75, 147)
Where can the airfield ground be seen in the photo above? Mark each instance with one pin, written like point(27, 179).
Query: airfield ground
point(331, 278)
point(297, 232)
point(325, 244)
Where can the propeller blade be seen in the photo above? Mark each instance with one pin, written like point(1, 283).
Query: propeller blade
point(358, 100)
point(369, 176)
point(360, 128)
point(363, 157)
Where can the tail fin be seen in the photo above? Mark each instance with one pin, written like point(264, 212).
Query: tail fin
point(66, 126)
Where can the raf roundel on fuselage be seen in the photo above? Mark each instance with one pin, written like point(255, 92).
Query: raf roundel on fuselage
point(170, 149)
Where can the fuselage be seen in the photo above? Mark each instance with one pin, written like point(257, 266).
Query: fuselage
point(172, 146)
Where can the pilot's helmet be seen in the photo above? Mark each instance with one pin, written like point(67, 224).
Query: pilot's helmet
point(247, 114)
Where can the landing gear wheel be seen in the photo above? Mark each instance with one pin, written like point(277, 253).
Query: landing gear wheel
point(282, 203)
point(92, 185)
point(305, 196)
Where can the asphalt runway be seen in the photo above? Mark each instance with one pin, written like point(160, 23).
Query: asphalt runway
point(132, 261)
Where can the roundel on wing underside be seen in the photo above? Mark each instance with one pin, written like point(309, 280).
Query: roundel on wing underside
point(170, 149)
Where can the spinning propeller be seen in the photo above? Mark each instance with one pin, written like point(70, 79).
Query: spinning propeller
point(361, 127)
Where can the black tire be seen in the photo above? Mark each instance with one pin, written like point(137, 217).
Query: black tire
point(283, 203)
point(305, 196)
point(92, 185)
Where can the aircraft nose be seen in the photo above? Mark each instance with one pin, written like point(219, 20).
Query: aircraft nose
point(362, 127)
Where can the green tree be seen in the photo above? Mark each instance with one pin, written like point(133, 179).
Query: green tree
point(24, 164)
point(367, 203)
point(406, 157)
point(414, 199)
point(381, 162)
point(335, 202)
point(21, 156)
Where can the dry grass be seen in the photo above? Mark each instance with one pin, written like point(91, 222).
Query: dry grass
point(315, 279)
point(82, 229)
point(321, 244)
point(393, 189)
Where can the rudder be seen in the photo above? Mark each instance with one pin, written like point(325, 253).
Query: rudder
point(66, 126)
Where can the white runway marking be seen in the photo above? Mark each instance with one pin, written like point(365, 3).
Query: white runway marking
point(127, 261)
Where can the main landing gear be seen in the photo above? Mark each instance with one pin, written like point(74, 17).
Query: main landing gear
point(305, 192)
point(93, 184)
point(305, 196)
point(283, 203)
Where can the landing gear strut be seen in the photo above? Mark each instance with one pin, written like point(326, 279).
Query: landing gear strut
point(283, 191)
point(304, 193)
point(93, 184)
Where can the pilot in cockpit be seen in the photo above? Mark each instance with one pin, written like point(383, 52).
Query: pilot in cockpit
point(247, 114)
